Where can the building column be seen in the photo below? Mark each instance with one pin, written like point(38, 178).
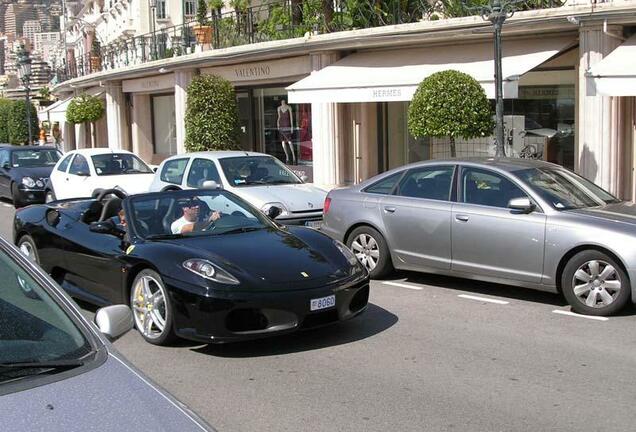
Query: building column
point(142, 144)
point(182, 80)
point(599, 140)
point(326, 136)
point(116, 116)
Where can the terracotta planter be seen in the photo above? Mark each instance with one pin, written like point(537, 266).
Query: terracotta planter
point(203, 34)
point(96, 63)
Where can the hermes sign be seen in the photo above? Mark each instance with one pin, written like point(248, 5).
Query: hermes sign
point(262, 70)
point(150, 84)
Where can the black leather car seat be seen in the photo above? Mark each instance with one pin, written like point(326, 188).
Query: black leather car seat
point(169, 217)
point(92, 213)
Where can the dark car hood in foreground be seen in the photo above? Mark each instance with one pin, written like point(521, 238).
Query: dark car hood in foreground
point(33, 172)
point(272, 256)
point(109, 398)
point(624, 212)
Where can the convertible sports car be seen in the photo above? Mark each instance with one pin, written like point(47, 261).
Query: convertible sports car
point(237, 275)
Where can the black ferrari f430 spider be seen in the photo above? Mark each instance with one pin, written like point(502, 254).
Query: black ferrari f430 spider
point(200, 264)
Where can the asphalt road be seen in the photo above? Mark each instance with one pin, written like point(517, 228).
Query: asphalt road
point(423, 357)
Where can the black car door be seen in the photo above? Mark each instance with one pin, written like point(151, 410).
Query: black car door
point(5, 175)
point(93, 262)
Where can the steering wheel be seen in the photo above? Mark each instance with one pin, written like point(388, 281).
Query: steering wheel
point(117, 192)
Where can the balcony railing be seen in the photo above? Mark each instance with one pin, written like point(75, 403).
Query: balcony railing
point(266, 22)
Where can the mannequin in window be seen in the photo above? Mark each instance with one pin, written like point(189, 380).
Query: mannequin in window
point(285, 124)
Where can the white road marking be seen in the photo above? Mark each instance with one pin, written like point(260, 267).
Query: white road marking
point(597, 318)
point(401, 285)
point(7, 205)
point(484, 299)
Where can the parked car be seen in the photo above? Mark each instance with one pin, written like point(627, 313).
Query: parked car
point(25, 171)
point(258, 178)
point(513, 221)
point(86, 172)
point(241, 276)
point(58, 373)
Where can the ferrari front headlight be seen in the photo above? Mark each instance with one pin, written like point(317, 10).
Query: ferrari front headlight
point(350, 256)
point(208, 270)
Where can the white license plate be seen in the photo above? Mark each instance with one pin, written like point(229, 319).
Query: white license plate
point(322, 303)
point(313, 224)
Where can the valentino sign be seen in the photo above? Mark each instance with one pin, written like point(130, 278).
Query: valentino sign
point(289, 67)
point(260, 71)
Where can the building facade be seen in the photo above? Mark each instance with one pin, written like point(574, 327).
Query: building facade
point(349, 91)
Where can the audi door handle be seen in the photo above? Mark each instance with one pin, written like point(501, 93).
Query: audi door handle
point(389, 209)
point(461, 218)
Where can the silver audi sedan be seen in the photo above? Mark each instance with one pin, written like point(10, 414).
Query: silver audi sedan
point(513, 221)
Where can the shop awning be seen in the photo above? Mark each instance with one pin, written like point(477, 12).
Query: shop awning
point(615, 75)
point(394, 75)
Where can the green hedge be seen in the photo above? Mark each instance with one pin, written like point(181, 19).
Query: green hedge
point(211, 118)
point(84, 109)
point(450, 104)
point(17, 123)
point(5, 107)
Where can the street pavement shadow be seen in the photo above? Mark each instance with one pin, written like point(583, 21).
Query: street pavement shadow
point(478, 287)
point(491, 289)
point(371, 322)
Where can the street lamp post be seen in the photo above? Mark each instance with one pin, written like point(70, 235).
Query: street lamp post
point(153, 7)
point(497, 11)
point(24, 69)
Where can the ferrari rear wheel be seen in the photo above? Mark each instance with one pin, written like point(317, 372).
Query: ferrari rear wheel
point(151, 308)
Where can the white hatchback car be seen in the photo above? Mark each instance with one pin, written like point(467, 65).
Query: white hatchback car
point(258, 178)
point(86, 172)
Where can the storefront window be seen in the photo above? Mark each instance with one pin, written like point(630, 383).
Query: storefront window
point(164, 125)
point(539, 124)
point(284, 129)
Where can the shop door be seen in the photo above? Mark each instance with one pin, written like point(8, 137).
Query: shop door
point(246, 139)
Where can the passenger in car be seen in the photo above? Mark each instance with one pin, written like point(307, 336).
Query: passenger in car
point(120, 219)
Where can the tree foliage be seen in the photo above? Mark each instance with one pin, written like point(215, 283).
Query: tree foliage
point(17, 123)
point(450, 104)
point(202, 13)
point(211, 118)
point(84, 109)
point(5, 108)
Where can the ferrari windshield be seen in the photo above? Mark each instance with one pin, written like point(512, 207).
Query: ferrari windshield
point(256, 170)
point(34, 158)
point(118, 164)
point(193, 213)
point(34, 329)
point(565, 190)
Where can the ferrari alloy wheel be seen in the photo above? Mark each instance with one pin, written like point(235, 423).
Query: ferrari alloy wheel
point(371, 249)
point(594, 284)
point(151, 308)
point(28, 248)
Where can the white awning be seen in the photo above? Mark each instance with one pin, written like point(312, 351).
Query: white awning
point(615, 75)
point(394, 75)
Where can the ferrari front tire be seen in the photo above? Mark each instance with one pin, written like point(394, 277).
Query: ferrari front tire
point(152, 310)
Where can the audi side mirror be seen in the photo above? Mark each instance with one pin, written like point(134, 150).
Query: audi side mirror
point(523, 205)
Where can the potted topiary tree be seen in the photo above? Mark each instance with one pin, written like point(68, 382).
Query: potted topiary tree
point(95, 55)
point(85, 109)
point(203, 30)
point(211, 118)
point(450, 104)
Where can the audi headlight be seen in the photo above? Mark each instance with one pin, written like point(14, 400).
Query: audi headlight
point(350, 256)
point(208, 270)
point(28, 182)
point(267, 206)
